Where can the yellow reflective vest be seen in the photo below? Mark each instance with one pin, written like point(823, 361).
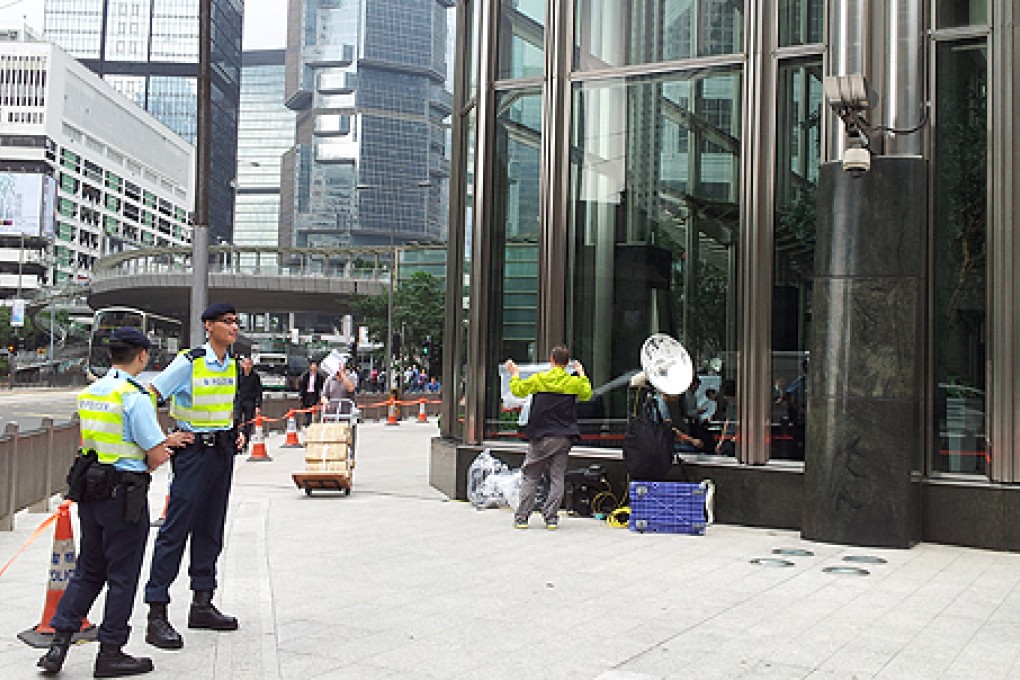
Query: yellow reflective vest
point(212, 397)
point(102, 424)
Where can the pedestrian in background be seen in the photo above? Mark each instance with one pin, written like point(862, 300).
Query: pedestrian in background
point(310, 388)
point(121, 442)
point(551, 430)
point(201, 384)
point(248, 402)
point(338, 386)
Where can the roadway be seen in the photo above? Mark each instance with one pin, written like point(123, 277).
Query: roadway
point(28, 406)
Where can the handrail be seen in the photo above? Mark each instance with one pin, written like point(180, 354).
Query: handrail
point(235, 256)
point(33, 466)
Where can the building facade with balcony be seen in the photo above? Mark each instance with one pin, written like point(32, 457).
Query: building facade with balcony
point(83, 171)
point(368, 80)
point(148, 50)
point(678, 167)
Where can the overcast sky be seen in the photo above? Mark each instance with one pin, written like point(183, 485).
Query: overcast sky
point(265, 21)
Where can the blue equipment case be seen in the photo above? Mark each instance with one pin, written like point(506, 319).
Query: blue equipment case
point(668, 507)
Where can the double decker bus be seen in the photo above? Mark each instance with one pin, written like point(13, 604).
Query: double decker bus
point(164, 333)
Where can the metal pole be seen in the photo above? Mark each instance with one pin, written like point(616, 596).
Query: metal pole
point(200, 234)
point(389, 315)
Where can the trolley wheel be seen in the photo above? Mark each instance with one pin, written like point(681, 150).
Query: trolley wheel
point(347, 491)
point(308, 491)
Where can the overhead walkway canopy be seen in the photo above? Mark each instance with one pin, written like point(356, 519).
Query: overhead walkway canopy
point(253, 278)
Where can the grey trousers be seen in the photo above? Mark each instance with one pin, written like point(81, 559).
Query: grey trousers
point(548, 454)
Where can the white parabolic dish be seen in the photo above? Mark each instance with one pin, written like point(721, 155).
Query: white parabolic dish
point(667, 364)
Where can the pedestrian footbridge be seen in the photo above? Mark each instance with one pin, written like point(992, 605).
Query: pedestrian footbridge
point(253, 278)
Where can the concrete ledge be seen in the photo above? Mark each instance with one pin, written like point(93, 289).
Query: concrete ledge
point(759, 496)
point(974, 514)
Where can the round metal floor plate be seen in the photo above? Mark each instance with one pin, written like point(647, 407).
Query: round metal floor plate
point(846, 571)
point(793, 552)
point(864, 559)
point(771, 562)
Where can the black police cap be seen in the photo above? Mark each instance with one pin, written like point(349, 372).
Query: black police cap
point(216, 310)
point(131, 336)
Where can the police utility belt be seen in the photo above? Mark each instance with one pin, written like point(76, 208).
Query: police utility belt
point(219, 438)
point(90, 480)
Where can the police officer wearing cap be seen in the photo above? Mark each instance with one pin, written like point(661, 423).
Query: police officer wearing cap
point(121, 442)
point(200, 384)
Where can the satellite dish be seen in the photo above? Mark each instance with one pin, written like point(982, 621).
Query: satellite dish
point(667, 364)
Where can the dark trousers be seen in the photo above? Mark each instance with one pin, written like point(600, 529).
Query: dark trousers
point(111, 554)
point(546, 455)
point(197, 511)
point(308, 401)
point(244, 412)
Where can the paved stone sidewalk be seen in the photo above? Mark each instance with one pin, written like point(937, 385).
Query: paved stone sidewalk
point(395, 581)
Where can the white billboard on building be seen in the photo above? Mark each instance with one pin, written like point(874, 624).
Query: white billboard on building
point(26, 203)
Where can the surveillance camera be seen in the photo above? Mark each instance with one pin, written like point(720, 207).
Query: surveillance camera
point(857, 160)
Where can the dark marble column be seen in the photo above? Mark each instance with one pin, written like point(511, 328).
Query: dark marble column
point(864, 420)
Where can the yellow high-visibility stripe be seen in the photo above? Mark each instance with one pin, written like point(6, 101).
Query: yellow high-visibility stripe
point(102, 425)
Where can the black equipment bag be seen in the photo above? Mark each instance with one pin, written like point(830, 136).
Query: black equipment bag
point(648, 444)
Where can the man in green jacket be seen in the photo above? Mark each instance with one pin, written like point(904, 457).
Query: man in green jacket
point(551, 430)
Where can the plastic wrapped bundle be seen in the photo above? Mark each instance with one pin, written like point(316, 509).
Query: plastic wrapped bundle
point(491, 483)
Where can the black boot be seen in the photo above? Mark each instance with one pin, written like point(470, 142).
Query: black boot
point(53, 659)
point(204, 614)
point(113, 663)
point(159, 632)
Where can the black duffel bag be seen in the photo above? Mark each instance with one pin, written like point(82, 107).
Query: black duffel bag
point(648, 444)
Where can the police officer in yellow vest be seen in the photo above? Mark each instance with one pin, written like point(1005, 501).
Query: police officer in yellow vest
point(121, 442)
point(200, 384)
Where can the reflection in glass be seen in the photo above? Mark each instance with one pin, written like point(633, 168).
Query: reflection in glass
point(798, 134)
point(521, 39)
point(654, 224)
point(624, 32)
point(512, 233)
point(959, 274)
point(950, 13)
point(800, 22)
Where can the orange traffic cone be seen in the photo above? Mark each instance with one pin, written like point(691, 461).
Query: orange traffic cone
point(258, 442)
point(391, 416)
point(63, 563)
point(292, 441)
point(422, 416)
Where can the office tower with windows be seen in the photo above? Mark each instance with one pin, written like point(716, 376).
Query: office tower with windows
point(83, 172)
point(265, 131)
point(368, 80)
point(148, 50)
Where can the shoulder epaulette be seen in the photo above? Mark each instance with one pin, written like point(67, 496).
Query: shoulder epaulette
point(195, 353)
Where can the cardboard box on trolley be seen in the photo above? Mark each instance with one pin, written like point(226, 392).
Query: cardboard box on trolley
point(328, 433)
point(315, 451)
point(342, 467)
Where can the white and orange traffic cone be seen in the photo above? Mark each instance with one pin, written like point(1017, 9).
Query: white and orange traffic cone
point(63, 563)
point(422, 416)
point(258, 442)
point(391, 416)
point(292, 441)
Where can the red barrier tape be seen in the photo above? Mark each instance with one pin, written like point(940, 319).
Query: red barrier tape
point(35, 534)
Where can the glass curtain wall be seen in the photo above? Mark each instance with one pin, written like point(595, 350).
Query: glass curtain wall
point(654, 201)
point(513, 233)
point(798, 156)
point(959, 273)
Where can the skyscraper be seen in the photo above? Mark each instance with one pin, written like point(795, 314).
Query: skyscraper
point(148, 50)
point(368, 80)
point(265, 132)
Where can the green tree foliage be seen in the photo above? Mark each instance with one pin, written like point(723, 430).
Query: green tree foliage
point(418, 309)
